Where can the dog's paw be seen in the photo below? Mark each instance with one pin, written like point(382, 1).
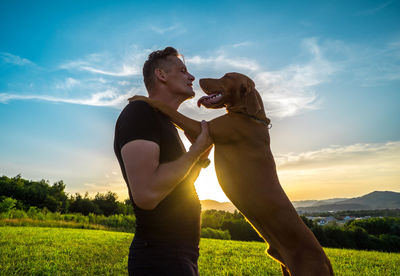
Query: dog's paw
point(138, 98)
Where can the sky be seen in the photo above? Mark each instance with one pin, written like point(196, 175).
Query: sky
point(328, 73)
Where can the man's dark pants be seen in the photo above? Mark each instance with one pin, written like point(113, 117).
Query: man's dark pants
point(156, 258)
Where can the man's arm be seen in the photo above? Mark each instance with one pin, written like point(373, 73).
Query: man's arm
point(149, 181)
point(188, 125)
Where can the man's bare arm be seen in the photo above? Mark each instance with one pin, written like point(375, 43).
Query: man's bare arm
point(149, 181)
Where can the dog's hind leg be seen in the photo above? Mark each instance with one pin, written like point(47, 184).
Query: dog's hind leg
point(274, 254)
point(285, 271)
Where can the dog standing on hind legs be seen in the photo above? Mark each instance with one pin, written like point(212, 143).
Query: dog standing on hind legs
point(247, 173)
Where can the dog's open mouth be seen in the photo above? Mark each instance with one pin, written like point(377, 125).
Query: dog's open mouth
point(212, 100)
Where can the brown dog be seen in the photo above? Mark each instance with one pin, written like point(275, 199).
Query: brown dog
point(247, 173)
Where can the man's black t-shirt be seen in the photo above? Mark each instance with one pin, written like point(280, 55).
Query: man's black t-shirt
point(176, 219)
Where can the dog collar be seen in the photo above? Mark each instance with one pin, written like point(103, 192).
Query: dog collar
point(265, 123)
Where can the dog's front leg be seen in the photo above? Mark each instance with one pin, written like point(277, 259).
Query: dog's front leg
point(191, 127)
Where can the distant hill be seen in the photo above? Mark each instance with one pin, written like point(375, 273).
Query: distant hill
point(371, 201)
point(209, 204)
point(309, 203)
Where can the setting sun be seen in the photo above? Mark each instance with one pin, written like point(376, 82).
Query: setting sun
point(207, 186)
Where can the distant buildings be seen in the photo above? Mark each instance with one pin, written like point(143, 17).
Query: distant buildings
point(332, 220)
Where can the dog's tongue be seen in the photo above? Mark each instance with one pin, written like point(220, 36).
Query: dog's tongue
point(208, 100)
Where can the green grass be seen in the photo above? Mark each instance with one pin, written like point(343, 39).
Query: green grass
point(60, 251)
point(51, 223)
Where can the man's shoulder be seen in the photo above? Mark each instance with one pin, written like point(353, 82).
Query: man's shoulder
point(136, 121)
point(137, 114)
point(137, 108)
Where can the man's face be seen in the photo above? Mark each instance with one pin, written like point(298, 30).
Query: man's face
point(179, 80)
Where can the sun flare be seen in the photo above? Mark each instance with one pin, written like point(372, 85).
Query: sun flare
point(207, 186)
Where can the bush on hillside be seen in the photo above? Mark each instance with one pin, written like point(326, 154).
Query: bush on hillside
point(215, 234)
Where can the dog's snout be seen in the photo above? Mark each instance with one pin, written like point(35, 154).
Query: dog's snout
point(209, 84)
point(203, 82)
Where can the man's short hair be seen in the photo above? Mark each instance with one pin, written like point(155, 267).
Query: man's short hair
point(157, 59)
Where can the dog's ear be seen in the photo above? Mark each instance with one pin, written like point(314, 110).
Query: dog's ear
point(251, 100)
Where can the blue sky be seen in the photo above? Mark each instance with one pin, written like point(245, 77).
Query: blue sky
point(328, 71)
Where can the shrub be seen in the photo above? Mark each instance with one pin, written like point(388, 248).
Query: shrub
point(35, 213)
point(17, 214)
point(215, 234)
point(7, 204)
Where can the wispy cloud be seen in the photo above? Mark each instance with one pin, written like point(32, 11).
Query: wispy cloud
point(175, 28)
point(222, 61)
point(124, 83)
point(342, 170)
point(374, 10)
point(242, 44)
point(106, 64)
point(67, 83)
point(286, 92)
point(366, 65)
point(125, 71)
point(387, 63)
point(338, 156)
point(106, 98)
point(15, 60)
point(99, 79)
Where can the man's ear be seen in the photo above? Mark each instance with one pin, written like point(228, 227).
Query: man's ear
point(250, 99)
point(160, 74)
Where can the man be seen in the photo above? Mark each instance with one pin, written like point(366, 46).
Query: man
point(160, 173)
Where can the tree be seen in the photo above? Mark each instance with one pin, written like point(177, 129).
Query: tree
point(108, 203)
point(35, 193)
point(241, 230)
point(58, 193)
point(83, 205)
point(7, 204)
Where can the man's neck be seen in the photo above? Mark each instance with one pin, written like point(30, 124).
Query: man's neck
point(170, 100)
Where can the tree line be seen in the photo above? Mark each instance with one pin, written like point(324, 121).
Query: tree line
point(378, 233)
point(41, 194)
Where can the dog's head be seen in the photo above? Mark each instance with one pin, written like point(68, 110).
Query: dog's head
point(234, 91)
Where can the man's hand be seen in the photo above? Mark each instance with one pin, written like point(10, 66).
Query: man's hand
point(203, 143)
point(138, 98)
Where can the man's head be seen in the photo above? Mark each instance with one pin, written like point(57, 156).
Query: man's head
point(164, 70)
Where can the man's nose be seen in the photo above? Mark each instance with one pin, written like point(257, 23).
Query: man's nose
point(191, 77)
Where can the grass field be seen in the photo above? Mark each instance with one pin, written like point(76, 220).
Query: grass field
point(60, 251)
